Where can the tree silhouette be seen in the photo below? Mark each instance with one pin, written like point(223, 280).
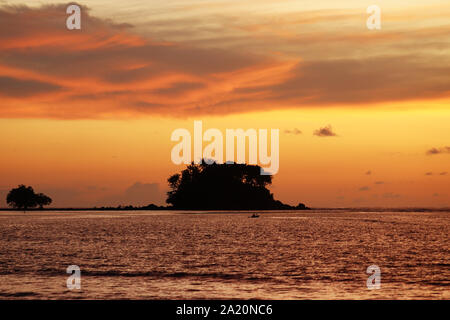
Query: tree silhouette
point(24, 198)
point(43, 200)
point(222, 187)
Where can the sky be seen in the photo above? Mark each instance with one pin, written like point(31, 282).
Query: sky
point(86, 115)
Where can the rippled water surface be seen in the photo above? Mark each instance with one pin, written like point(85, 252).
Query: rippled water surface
point(192, 255)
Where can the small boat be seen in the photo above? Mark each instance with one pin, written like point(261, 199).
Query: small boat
point(254, 215)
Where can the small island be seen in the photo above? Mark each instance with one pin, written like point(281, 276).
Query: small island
point(223, 187)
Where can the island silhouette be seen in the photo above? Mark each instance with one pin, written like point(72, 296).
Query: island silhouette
point(202, 186)
point(223, 187)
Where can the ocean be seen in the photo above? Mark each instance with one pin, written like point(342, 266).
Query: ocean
point(318, 254)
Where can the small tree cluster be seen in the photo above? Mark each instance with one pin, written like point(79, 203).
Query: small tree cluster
point(24, 197)
point(221, 187)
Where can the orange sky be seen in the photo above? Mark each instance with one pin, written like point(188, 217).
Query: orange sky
point(86, 115)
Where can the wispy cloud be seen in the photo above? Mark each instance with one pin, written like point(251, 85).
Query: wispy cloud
point(434, 151)
point(294, 131)
point(444, 173)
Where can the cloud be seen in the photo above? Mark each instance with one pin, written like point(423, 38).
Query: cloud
point(325, 132)
point(379, 182)
point(441, 173)
point(365, 188)
point(105, 69)
point(109, 69)
point(138, 194)
point(294, 131)
point(369, 172)
point(434, 151)
point(356, 81)
point(24, 88)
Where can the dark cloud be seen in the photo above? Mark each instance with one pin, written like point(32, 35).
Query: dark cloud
point(24, 88)
point(434, 151)
point(294, 131)
point(379, 182)
point(369, 172)
point(443, 173)
point(365, 188)
point(428, 173)
point(325, 132)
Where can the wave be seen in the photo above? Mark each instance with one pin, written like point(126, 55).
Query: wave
point(18, 294)
point(149, 274)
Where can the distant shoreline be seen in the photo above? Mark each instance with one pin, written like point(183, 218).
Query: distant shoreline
point(374, 209)
point(146, 209)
